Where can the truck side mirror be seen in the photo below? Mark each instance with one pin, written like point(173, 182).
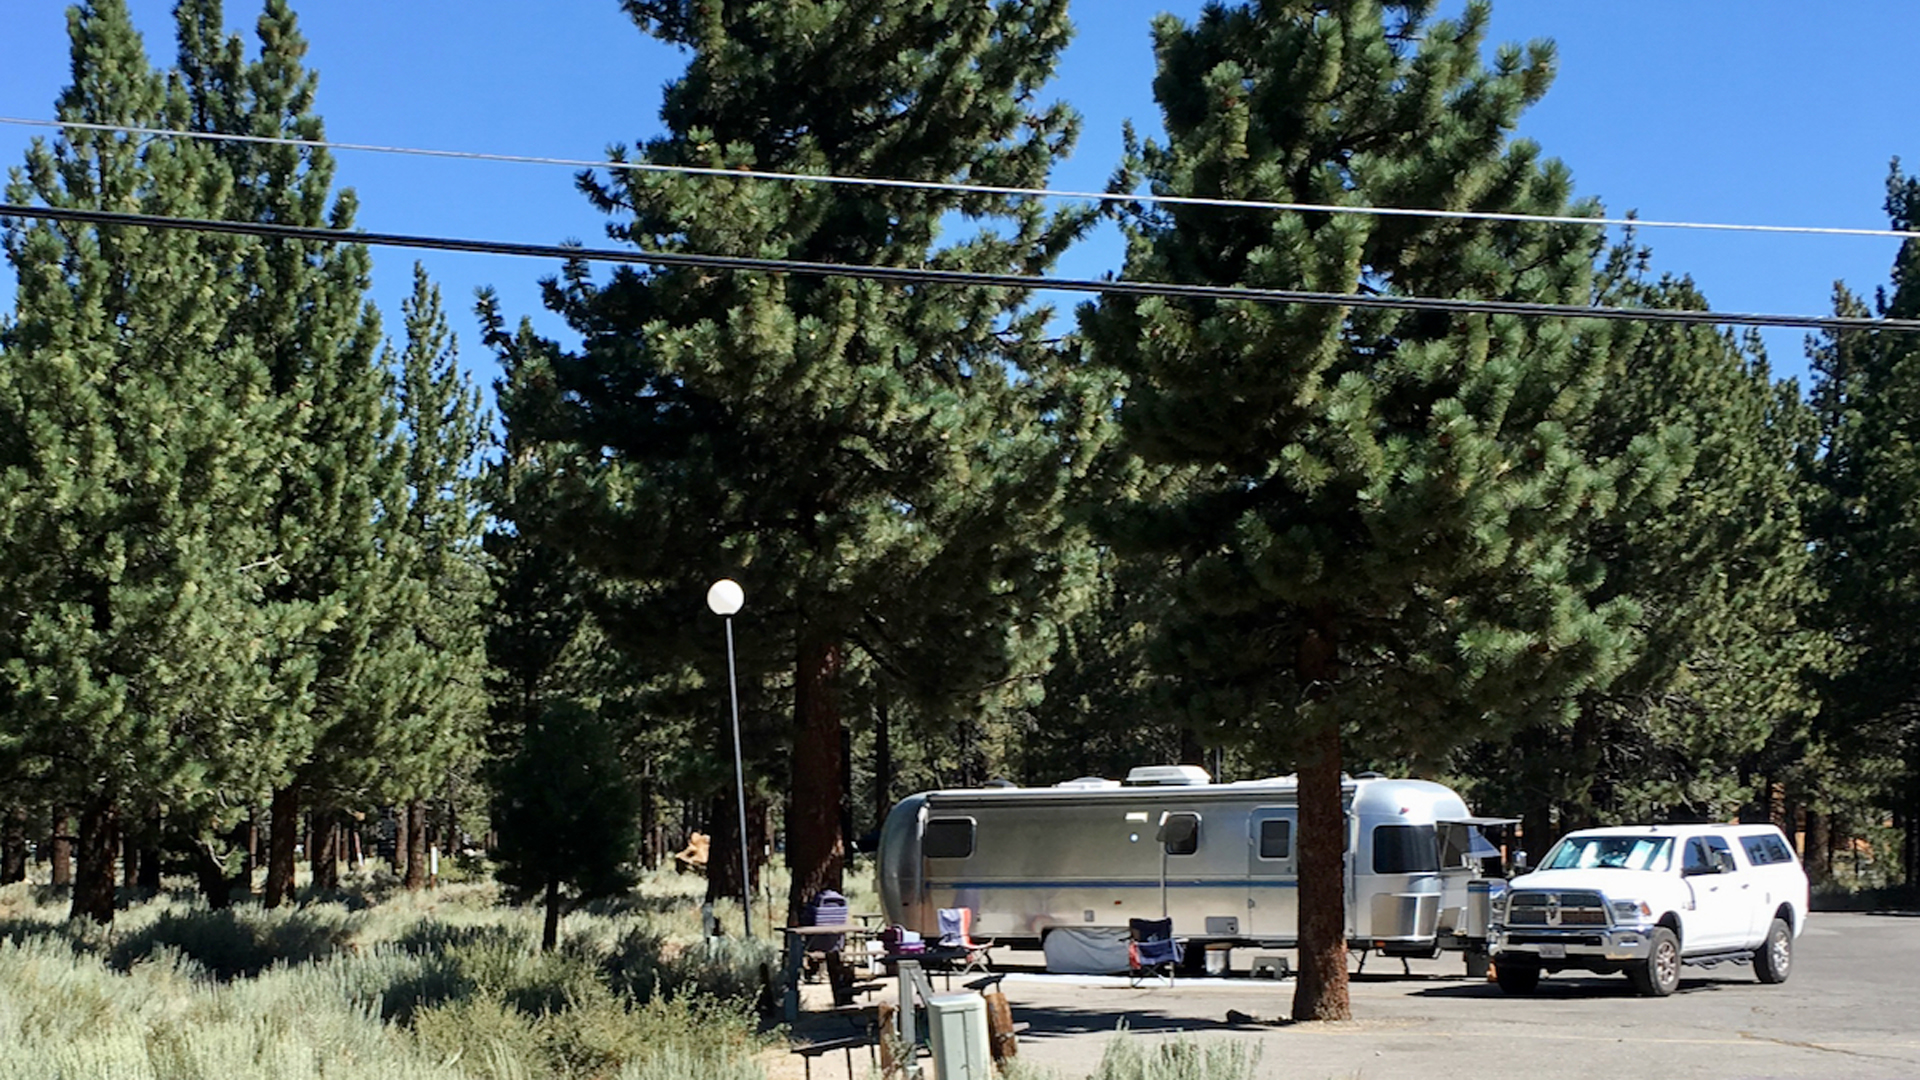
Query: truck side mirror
point(1519, 863)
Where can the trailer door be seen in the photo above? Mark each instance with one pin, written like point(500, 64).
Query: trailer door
point(1273, 894)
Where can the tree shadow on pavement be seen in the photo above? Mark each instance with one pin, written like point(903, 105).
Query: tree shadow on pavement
point(1563, 988)
point(1061, 1021)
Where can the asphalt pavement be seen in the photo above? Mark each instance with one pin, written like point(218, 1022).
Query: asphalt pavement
point(1850, 1009)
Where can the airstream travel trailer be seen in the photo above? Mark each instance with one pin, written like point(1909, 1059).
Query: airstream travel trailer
point(1219, 859)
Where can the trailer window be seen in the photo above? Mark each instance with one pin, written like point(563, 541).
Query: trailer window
point(1404, 849)
point(948, 838)
point(1276, 838)
point(1180, 833)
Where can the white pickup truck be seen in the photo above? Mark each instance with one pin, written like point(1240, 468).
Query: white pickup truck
point(1646, 899)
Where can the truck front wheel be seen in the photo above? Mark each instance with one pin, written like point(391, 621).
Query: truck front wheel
point(1659, 974)
point(1516, 976)
point(1774, 958)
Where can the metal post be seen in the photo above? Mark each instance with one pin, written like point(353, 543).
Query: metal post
point(740, 784)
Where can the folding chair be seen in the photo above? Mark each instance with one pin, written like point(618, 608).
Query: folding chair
point(956, 931)
point(1151, 950)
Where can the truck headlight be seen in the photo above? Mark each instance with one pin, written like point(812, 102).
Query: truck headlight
point(1630, 910)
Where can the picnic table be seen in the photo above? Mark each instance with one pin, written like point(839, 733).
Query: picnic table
point(839, 975)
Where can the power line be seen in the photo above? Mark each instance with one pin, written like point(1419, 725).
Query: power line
point(921, 275)
point(1022, 192)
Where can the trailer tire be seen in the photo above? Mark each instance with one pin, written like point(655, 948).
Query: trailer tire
point(1516, 976)
point(1773, 960)
point(1659, 974)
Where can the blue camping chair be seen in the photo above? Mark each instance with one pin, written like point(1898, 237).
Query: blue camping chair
point(1151, 950)
point(956, 932)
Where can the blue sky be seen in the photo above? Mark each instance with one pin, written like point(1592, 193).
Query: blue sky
point(1761, 112)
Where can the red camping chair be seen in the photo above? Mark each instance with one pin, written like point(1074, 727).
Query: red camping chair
point(956, 931)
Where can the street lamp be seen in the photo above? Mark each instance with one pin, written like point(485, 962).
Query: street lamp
point(724, 599)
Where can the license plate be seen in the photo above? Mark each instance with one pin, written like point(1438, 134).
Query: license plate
point(1553, 952)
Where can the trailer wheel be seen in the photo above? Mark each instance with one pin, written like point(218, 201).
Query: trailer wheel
point(1773, 960)
point(1516, 976)
point(1659, 974)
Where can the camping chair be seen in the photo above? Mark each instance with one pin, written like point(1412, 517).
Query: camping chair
point(1151, 950)
point(956, 931)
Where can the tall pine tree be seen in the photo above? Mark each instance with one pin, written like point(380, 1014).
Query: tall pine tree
point(134, 480)
point(1867, 523)
point(1381, 550)
point(881, 466)
point(1719, 567)
point(306, 314)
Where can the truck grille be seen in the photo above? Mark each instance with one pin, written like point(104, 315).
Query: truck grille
point(1528, 908)
point(1553, 939)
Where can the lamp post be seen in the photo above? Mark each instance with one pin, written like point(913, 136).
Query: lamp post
point(724, 599)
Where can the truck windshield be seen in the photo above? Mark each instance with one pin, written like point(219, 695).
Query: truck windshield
point(1617, 852)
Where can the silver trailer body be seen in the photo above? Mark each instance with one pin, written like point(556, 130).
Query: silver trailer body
point(1219, 859)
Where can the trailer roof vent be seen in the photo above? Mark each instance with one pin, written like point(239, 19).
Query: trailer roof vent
point(1168, 776)
point(1087, 783)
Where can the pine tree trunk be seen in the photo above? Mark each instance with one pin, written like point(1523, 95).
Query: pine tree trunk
point(129, 863)
point(1320, 991)
point(882, 762)
point(1191, 752)
point(214, 883)
point(251, 860)
point(324, 856)
point(1536, 832)
point(13, 847)
point(723, 850)
point(93, 871)
point(816, 853)
point(60, 848)
point(284, 830)
point(148, 881)
point(550, 932)
point(401, 844)
point(649, 820)
point(1818, 848)
point(416, 875)
point(847, 834)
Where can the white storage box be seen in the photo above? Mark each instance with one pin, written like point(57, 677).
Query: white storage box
point(957, 1031)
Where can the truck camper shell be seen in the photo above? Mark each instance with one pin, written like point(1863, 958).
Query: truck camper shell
point(1218, 859)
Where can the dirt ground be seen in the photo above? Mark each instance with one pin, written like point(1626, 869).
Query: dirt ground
point(1846, 1011)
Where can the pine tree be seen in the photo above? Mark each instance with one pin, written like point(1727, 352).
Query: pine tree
point(1719, 568)
point(133, 483)
point(567, 815)
point(567, 737)
point(433, 634)
point(307, 316)
point(881, 466)
point(1867, 523)
point(1382, 551)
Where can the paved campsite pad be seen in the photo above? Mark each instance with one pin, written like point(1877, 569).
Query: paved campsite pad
point(1849, 1010)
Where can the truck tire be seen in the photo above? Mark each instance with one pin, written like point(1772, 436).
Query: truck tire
point(1773, 960)
point(1516, 976)
point(1659, 974)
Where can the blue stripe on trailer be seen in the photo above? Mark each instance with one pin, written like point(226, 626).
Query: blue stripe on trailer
point(1121, 883)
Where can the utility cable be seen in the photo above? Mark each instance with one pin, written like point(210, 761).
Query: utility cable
point(921, 275)
point(972, 189)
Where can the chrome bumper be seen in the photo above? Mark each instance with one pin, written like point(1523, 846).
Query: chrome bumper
point(1548, 944)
